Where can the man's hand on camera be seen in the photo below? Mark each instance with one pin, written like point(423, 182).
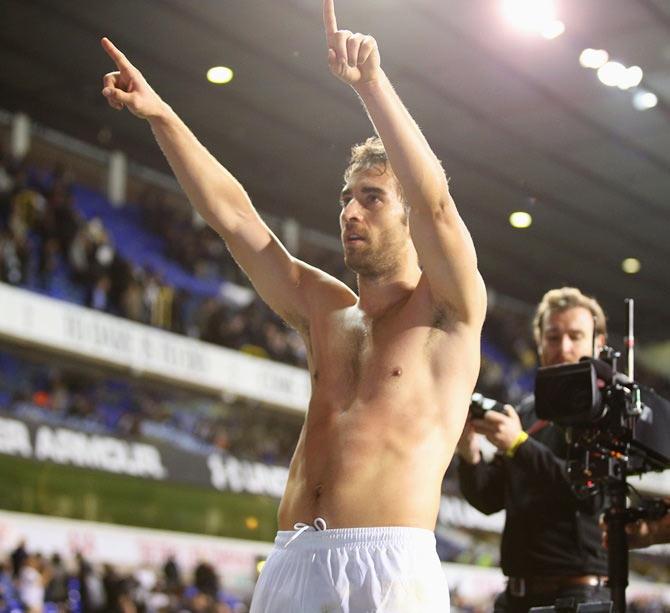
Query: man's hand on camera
point(643, 532)
point(501, 429)
point(468, 445)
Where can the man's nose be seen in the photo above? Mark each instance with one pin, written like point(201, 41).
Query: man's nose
point(352, 210)
point(566, 346)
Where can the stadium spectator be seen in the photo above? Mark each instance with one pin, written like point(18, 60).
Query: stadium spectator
point(57, 588)
point(18, 557)
point(172, 575)
point(31, 584)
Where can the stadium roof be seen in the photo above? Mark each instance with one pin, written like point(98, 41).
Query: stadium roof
point(517, 121)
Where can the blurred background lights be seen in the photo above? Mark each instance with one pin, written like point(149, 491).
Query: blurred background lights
point(593, 58)
point(553, 29)
point(251, 522)
point(631, 266)
point(520, 219)
point(612, 73)
point(643, 100)
point(219, 75)
point(536, 16)
point(631, 78)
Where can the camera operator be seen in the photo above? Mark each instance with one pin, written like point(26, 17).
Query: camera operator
point(551, 544)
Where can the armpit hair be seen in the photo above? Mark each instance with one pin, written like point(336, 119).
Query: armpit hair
point(444, 315)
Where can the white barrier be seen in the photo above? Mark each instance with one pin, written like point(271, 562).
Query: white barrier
point(51, 324)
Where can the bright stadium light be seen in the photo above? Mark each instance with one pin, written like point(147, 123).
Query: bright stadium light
point(612, 73)
point(552, 29)
point(644, 100)
point(532, 15)
point(520, 219)
point(631, 266)
point(220, 75)
point(631, 78)
point(593, 58)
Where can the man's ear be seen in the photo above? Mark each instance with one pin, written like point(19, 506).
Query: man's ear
point(600, 343)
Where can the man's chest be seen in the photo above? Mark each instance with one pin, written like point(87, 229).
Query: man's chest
point(347, 349)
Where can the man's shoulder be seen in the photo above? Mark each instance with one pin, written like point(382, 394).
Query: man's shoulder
point(326, 293)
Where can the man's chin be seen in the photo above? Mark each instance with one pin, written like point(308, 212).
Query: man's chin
point(352, 264)
point(360, 266)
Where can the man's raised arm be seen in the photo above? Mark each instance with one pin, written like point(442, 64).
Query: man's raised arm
point(445, 249)
point(280, 279)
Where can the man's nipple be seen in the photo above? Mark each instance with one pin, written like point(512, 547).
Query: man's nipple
point(396, 372)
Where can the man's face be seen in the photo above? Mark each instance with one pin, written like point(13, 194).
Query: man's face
point(567, 336)
point(373, 224)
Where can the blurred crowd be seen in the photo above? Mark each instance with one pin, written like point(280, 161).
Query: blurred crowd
point(47, 245)
point(86, 400)
point(34, 583)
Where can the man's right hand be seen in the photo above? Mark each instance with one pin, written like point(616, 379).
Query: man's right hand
point(126, 87)
point(468, 445)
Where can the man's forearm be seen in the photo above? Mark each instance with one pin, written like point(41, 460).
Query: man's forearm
point(483, 486)
point(413, 161)
point(213, 191)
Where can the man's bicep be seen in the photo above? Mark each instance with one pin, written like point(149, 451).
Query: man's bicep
point(275, 274)
point(449, 261)
point(289, 286)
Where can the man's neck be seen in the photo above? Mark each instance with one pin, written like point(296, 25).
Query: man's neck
point(378, 294)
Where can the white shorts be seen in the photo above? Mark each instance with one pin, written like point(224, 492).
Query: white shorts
point(353, 570)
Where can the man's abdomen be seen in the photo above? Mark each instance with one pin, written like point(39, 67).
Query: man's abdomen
point(368, 467)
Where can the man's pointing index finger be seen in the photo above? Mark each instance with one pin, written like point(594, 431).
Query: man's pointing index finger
point(329, 19)
point(119, 59)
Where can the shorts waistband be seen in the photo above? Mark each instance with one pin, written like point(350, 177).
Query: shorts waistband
point(351, 537)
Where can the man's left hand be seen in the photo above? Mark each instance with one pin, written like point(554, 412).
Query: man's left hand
point(352, 58)
point(501, 429)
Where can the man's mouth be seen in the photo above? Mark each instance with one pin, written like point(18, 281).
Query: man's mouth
point(353, 238)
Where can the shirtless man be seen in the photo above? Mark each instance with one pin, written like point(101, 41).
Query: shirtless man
point(392, 368)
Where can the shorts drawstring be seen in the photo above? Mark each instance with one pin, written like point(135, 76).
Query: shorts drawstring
point(318, 525)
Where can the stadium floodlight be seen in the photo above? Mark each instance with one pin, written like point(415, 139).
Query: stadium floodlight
point(220, 75)
point(553, 29)
point(612, 73)
point(631, 78)
point(533, 15)
point(631, 266)
point(644, 100)
point(520, 219)
point(593, 58)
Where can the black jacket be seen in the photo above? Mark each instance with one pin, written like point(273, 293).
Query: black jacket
point(548, 531)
